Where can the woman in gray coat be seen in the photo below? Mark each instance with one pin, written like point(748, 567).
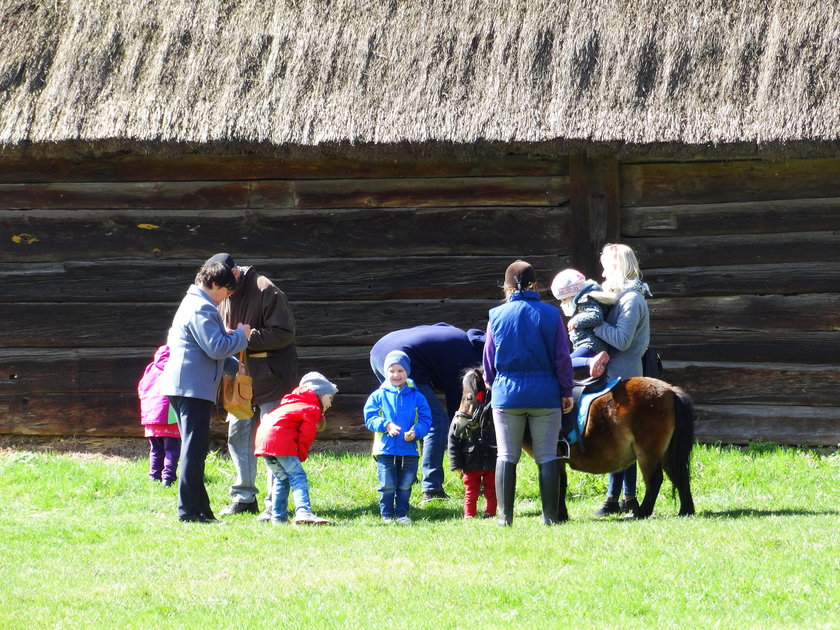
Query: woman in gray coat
point(198, 344)
point(626, 329)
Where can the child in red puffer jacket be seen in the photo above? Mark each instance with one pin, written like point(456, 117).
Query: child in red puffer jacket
point(283, 439)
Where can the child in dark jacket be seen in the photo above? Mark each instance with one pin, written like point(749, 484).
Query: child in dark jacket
point(399, 415)
point(586, 305)
point(164, 438)
point(283, 439)
point(472, 455)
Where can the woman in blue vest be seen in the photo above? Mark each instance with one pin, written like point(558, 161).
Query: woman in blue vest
point(527, 365)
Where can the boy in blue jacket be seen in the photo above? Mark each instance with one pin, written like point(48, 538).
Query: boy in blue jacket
point(399, 415)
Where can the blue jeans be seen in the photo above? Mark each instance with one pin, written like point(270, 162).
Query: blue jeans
point(241, 437)
point(397, 473)
point(627, 478)
point(434, 444)
point(288, 471)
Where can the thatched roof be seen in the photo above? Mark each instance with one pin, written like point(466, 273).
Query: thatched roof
point(263, 73)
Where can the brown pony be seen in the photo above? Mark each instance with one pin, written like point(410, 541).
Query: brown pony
point(641, 419)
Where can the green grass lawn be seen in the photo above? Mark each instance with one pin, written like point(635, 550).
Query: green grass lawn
point(88, 541)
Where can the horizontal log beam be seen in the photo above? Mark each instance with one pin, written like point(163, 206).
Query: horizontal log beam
point(29, 372)
point(342, 193)
point(742, 424)
point(753, 347)
point(765, 217)
point(675, 183)
point(52, 236)
point(129, 167)
point(788, 279)
point(80, 325)
point(734, 249)
point(477, 277)
point(756, 384)
point(114, 415)
point(760, 313)
point(117, 415)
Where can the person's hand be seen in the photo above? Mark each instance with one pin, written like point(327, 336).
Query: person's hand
point(392, 429)
point(244, 328)
point(568, 404)
point(570, 326)
point(409, 435)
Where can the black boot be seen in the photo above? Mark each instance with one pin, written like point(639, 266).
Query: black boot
point(505, 491)
point(610, 507)
point(549, 491)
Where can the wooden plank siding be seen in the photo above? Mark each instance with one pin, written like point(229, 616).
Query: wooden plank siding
point(96, 252)
point(742, 259)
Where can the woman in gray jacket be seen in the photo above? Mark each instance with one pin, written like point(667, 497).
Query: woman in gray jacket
point(198, 344)
point(626, 329)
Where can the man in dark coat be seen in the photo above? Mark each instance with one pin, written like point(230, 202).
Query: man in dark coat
point(272, 363)
point(439, 355)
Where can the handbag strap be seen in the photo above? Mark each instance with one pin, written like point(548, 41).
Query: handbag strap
point(242, 357)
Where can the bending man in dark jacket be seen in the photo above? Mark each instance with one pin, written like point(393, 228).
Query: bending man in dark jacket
point(439, 355)
point(272, 363)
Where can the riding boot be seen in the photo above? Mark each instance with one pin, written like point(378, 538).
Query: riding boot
point(505, 491)
point(549, 491)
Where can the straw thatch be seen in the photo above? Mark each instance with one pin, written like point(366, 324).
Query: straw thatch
point(265, 73)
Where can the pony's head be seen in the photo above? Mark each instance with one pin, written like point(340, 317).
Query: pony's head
point(473, 400)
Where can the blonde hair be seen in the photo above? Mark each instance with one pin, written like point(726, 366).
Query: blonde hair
point(623, 260)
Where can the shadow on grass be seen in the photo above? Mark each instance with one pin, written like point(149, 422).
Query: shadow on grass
point(439, 511)
point(748, 512)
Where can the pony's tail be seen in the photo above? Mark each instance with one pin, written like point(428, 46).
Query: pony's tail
point(679, 450)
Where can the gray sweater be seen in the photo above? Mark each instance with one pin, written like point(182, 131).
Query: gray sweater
point(627, 329)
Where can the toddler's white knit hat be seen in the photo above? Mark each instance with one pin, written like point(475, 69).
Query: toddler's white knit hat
point(568, 283)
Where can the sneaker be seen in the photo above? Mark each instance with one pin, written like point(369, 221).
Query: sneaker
point(387, 520)
point(240, 508)
point(167, 483)
point(628, 504)
point(488, 515)
point(403, 520)
point(610, 507)
point(598, 363)
point(434, 495)
point(308, 518)
point(279, 521)
point(264, 516)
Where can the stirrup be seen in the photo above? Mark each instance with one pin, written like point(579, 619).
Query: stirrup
point(564, 450)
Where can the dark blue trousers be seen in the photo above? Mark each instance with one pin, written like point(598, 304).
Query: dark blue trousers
point(194, 425)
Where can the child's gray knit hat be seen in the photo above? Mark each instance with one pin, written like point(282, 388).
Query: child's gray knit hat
point(318, 383)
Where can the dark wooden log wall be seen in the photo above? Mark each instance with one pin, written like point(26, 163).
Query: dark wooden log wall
point(742, 258)
point(96, 254)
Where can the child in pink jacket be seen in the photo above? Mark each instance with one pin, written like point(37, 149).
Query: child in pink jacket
point(164, 438)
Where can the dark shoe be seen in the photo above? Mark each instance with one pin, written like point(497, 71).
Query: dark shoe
point(549, 491)
point(610, 507)
point(434, 495)
point(629, 504)
point(505, 491)
point(240, 508)
point(264, 516)
point(201, 518)
point(167, 483)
